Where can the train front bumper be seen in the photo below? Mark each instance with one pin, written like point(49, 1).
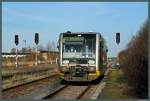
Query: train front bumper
point(88, 77)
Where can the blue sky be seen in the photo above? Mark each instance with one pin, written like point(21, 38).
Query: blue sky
point(51, 18)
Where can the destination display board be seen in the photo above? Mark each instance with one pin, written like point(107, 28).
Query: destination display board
point(73, 38)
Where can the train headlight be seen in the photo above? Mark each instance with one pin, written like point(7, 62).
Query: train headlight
point(91, 61)
point(91, 69)
point(64, 69)
point(65, 61)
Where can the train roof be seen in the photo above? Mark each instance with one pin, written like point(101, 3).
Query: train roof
point(69, 32)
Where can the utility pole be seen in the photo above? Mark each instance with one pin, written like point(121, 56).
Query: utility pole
point(16, 42)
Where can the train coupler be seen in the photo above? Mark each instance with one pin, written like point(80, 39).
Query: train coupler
point(78, 71)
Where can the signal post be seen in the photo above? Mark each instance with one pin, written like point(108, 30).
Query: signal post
point(118, 41)
point(36, 42)
point(16, 42)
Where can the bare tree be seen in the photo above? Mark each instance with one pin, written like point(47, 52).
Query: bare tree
point(13, 50)
point(134, 62)
point(54, 46)
point(40, 47)
point(49, 46)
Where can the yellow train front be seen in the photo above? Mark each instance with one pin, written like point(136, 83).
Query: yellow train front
point(82, 56)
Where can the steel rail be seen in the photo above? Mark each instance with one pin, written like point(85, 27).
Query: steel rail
point(14, 87)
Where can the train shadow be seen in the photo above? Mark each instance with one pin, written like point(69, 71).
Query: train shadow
point(83, 83)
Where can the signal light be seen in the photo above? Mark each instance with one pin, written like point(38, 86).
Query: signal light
point(16, 39)
point(36, 38)
point(106, 50)
point(69, 32)
point(117, 38)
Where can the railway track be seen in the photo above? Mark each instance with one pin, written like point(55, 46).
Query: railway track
point(6, 89)
point(69, 92)
point(50, 88)
point(27, 88)
point(78, 92)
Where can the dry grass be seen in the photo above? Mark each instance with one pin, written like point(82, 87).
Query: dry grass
point(116, 87)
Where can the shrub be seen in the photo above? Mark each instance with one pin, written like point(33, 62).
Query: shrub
point(134, 61)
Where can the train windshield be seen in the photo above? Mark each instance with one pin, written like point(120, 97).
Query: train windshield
point(79, 46)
